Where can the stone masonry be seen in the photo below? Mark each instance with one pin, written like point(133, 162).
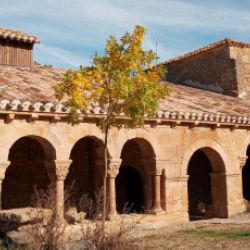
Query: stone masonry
point(221, 67)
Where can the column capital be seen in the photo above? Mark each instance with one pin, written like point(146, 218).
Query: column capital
point(3, 167)
point(113, 167)
point(57, 169)
point(62, 168)
point(161, 165)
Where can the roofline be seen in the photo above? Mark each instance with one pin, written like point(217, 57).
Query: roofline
point(224, 42)
point(59, 111)
point(13, 35)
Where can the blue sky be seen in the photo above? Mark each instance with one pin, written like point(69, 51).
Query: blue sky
point(72, 30)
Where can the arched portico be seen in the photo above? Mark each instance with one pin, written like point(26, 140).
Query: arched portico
point(203, 143)
point(85, 178)
point(138, 182)
point(26, 171)
point(207, 190)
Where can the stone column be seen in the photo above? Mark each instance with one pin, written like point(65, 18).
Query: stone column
point(3, 167)
point(58, 170)
point(112, 173)
point(160, 165)
point(157, 192)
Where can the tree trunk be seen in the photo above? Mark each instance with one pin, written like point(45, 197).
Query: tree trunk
point(104, 194)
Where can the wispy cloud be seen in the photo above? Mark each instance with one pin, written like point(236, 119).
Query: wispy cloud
point(71, 30)
point(59, 55)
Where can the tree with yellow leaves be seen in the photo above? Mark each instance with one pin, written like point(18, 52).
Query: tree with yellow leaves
point(123, 82)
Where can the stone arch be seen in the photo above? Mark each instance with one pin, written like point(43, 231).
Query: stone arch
point(208, 144)
point(137, 166)
point(13, 135)
point(142, 134)
point(84, 181)
point(207, 192)
point(26, 171)
point(243, 148)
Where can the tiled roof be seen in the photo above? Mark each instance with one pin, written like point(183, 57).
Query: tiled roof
point(226, 41)
point(28, 84)
point(189, 99)
point(30, 90)
point(17, 36)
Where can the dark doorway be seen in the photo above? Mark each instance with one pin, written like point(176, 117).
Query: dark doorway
point(246, 177)
point(129, 191)
point(84, 181)
point(199, 185)
point(207, 189)
point(25, 173)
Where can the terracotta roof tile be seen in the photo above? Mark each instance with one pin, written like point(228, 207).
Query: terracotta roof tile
point(35, 86)
point(17, 36)
point(190, 99)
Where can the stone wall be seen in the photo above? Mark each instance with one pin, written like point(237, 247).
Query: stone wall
point(242, 61)
point(173, 148)
point(212, 70)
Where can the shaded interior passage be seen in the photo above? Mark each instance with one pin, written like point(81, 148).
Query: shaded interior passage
point(246, 177)
point(207, 191)
point(85, 178)
point(134, 190)
point(129, 192)
point(26, 172)
point(199, 184)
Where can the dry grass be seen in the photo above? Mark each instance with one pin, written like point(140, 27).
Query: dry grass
point(47, 233)
point(231, 234)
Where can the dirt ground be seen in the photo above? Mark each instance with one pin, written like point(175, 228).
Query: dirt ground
point(233, 234)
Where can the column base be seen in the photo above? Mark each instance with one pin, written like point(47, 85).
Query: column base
point(114, 216)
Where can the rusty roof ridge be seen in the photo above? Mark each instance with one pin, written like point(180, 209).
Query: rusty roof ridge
point(226, 41)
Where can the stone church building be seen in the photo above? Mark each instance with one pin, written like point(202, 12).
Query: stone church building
point(190, 161)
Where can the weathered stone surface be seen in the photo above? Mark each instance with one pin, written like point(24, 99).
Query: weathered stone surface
point(25, 215)
point(72, 216)
point(222, 67)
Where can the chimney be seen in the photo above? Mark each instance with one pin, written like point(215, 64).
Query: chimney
point(16, 48)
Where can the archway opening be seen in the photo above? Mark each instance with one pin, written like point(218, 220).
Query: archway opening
point(84, 181)
point(134, 185)
point(246, 177)
point(129, 188)
point(207, 197)
point(26, 172)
